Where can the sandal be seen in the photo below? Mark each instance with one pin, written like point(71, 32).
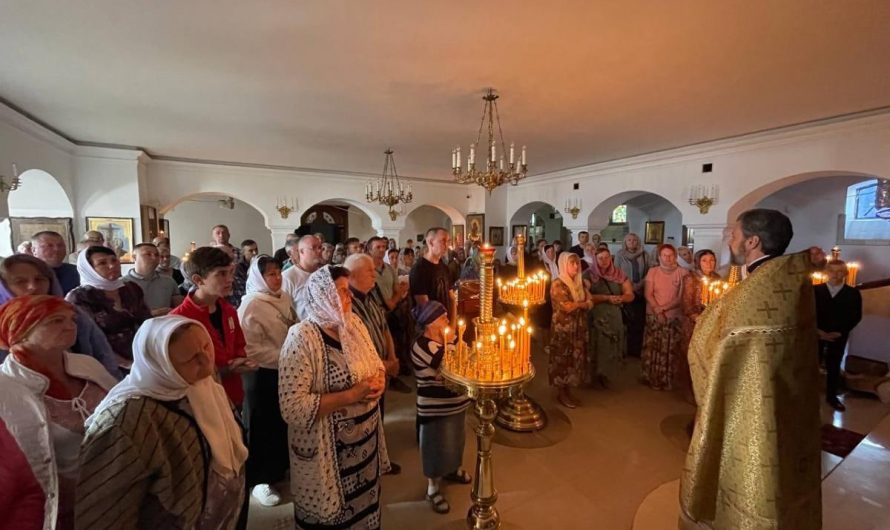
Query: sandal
point(438, 502)
point(460, 476)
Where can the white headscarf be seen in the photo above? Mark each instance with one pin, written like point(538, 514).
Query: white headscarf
point(89, 276)
point(258, 289)
point(552, 268)
point(325, 310)
point(154, 376)
point(576, 284)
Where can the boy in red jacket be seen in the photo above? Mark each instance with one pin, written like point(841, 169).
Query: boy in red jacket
point(210, 270)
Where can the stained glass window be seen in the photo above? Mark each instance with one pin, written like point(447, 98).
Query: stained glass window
point(619, 214)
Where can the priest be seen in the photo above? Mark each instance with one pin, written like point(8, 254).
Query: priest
point(754, 459)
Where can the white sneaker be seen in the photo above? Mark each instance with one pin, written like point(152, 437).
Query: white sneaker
point(266, 494)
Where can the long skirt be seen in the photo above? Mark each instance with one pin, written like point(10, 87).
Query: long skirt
point(267, 462)
point(442, 444)
point(661, 346)
point(356, 443)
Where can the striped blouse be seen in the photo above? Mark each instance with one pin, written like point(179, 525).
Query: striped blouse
point(433, 397)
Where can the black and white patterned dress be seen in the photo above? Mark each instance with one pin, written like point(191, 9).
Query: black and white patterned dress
point(356, 439)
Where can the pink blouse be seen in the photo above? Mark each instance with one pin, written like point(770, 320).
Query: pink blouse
point(667, 290)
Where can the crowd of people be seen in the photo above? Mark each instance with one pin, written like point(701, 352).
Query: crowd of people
point(167, 396)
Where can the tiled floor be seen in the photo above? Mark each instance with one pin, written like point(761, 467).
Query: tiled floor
point(624, 445)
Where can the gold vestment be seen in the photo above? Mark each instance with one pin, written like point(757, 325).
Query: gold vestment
point(754, 461)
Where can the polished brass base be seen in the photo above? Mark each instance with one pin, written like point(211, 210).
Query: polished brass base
point(521, 414)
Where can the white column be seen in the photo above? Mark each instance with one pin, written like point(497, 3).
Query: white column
point(279, 235)
point(714, 237)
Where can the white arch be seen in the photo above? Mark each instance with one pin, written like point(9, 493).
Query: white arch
point(752, 198)
point(180, 243)
point(40, 195)
point(601, 215)
point(167, 207)
point(457, 218)
point(376, 218)
point(524, 212)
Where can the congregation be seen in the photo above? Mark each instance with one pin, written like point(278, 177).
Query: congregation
point(169, 395)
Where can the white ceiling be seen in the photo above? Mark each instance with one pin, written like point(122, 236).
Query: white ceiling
point(330, 84)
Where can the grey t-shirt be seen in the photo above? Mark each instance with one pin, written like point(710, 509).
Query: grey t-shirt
point(158, 289)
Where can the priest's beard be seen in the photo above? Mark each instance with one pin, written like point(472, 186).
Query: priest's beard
point(738, 255)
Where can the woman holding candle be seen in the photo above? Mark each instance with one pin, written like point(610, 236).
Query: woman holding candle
point(610, 289)
point(440, 412)
point(695, 299)
point(568, 330)
point(664, 314)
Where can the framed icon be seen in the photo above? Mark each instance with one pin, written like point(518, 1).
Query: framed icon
point(654, 233)
point(118, 232)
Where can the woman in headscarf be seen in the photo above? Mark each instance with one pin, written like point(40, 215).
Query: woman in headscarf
point(46, 394)
point(568, 331)
point(472, 265)
point(164, 448)
point(610, 289)
point(550, 260)
point(440, 411)
point(705, 262)
point(330, 383)
point(634, 262)
point(664, 314)
point(117, 307)
point(266, 314)
point(22, 275)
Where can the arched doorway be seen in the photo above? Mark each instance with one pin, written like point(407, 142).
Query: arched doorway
point(39, 204)
point(191, 218)
point(822, 207)
point(634, 210)
point(540, 220)
point(337, 220)
point(421, 219)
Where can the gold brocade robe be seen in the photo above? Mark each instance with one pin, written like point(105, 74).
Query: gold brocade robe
point(754, 460)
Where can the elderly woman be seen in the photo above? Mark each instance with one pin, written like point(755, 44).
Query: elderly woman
point(568, 331)
point(664, 314)
point(117, 307)
point(634, 262)
point(610, 289)
point(330, 382)
point(164, 448)
point(440, 411)
point(22, 275)
point(266, 314)
point(46, 394)
point(705, 262)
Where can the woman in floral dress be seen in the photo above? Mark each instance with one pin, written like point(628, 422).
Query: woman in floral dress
point(568, 330)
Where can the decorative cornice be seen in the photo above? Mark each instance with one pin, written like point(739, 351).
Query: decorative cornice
point(15, 117)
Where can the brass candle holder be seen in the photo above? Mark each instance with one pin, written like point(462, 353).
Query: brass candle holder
point(494, 366)
point(520, 413)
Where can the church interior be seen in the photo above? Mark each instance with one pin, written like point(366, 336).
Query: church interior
point(663, 119)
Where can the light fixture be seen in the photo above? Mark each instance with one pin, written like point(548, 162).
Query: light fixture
point(704, 197)
point(494, 172)
point(389, 190)
point(13, 184)
point(227, 203)
point(285, 209)
point(573, 206)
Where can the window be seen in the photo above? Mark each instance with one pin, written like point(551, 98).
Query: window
point(860, 221)
point(619, 215)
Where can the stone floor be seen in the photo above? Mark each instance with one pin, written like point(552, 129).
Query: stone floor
point(613, 463)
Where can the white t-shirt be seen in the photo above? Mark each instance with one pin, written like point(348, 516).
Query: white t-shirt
point(293, 281)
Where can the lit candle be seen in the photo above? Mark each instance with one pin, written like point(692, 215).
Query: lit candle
point(704, 292)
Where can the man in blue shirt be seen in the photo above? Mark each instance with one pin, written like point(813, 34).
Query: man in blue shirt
point(50, 248)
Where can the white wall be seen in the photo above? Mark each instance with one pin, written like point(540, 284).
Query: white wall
point(192, 220)
point(420, 220)
point(813, 208)
point(360, 224)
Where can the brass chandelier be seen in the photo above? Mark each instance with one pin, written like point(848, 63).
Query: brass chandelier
point(494, 171)
point(389, 190)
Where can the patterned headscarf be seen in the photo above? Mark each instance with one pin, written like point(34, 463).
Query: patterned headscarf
point(610, 273)
point(325, 310)
point(427, 313)
point(576, 284)
point(18, 318)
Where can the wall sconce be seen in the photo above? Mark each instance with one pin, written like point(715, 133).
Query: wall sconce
point(704, 197)
point(285, 209)
point(573, 206)
point(14, 184)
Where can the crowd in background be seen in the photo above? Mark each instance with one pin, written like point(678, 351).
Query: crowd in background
point(167, 396)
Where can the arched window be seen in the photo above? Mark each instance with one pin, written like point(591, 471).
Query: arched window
point(619, 215)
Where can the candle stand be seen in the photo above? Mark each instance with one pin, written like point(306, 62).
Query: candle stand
point(494, 366)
